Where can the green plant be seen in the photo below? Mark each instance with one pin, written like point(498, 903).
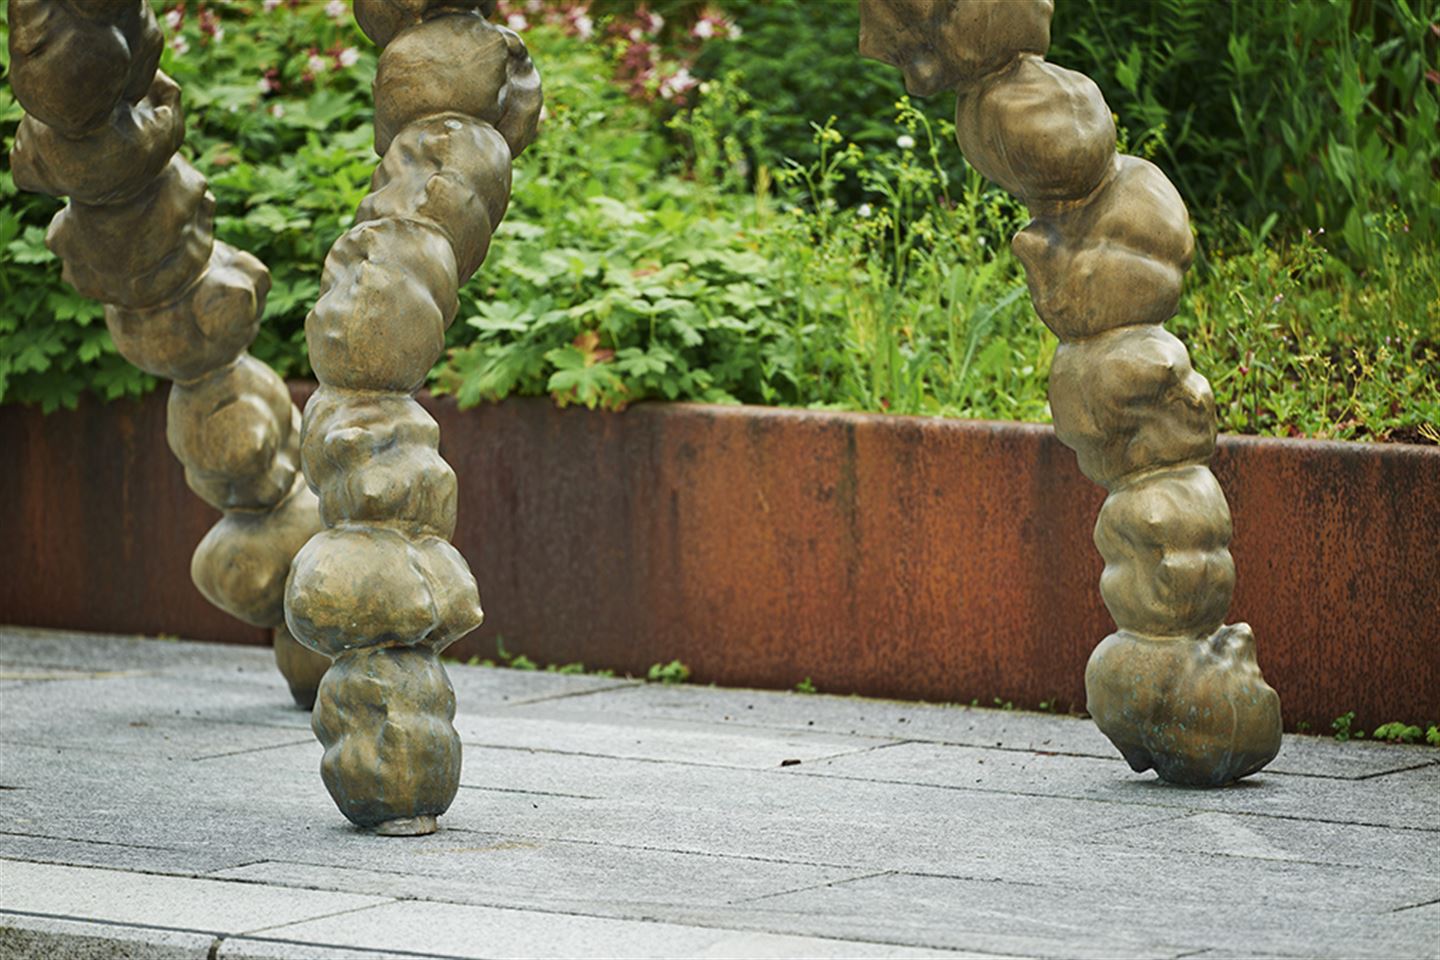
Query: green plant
point(1432, 735)
point(1342, 725)
point(1396, 732)
point(672, 672)
point(805, 686)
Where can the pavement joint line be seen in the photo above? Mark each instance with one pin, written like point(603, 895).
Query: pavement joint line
point(670, 850)
point(530, 793)
point(707, 923)
point(1001, 747)
point(1091, 837)
point(220, 937)
point(809, 886)
point(103, 843)
point(101, 921)
point(1128, 802)
point(319, 916)
point(138, 871)
point(236, 753)
point(1384, 773)
point(1414, 906)
point(569, 694)
point(851, 753)
point(630, 759)
point(340, 948)
point(1225, 854)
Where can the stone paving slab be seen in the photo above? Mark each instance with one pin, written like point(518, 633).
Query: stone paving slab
point(162, 799)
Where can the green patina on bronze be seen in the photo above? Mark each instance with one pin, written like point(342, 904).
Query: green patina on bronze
point(1174, 688)
point(102, 127)
point(381, 589)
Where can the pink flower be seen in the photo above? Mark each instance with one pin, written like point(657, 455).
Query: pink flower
point(336, 10)
point(180, 45)
point(173, 18)
point(348, 57)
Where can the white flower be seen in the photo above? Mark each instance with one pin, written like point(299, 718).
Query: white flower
point(865, 210)
point(277, 109)
point(173, 19)
point(905, 142)
point(217, 34)
point(180, 45)
point(678, 82)
point(584, 26)
point(704, 29)
point(336, 10)
point(734, 29)
point(316, 63)
point(349, 57)
point(656, 22)
point(270, 5)
point(517, 22)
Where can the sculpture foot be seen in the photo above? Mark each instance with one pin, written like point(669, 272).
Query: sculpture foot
point(1196, 710)
point(392, 758)
point(301, 667)
point(407, 827)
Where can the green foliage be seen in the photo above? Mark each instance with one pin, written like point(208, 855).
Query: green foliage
point(805, 686)
point(1396, 732)
point(672, 672)
point(1321, 113)
point(1342, 725)
point(798, 63)
point(748, 249)
point(1432, 735)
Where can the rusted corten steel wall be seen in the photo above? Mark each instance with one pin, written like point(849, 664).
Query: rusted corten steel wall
point(876, 555)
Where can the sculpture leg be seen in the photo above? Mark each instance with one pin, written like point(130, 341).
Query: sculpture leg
point(1174, 688)
point(102, 126)
point(380, 588)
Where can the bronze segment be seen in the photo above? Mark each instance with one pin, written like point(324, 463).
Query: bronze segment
point(1174, 688)
point(381, 589)
point(102, 127)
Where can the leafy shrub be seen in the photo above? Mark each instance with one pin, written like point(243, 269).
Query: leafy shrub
point(745, 248)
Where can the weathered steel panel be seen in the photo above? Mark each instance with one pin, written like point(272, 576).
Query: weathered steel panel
point(903, 557)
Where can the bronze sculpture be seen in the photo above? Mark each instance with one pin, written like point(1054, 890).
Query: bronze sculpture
point(354, 558)
point(1174, 688)
point(102, 125)
point(381, 589)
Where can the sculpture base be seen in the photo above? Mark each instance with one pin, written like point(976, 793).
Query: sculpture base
point(407, 827)
point(1195, 710)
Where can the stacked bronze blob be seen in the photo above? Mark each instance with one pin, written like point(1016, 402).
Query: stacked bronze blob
point(102, 127)
point(1174, 688)
point(381, 589)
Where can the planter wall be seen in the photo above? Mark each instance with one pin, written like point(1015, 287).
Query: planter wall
point(902, 557)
